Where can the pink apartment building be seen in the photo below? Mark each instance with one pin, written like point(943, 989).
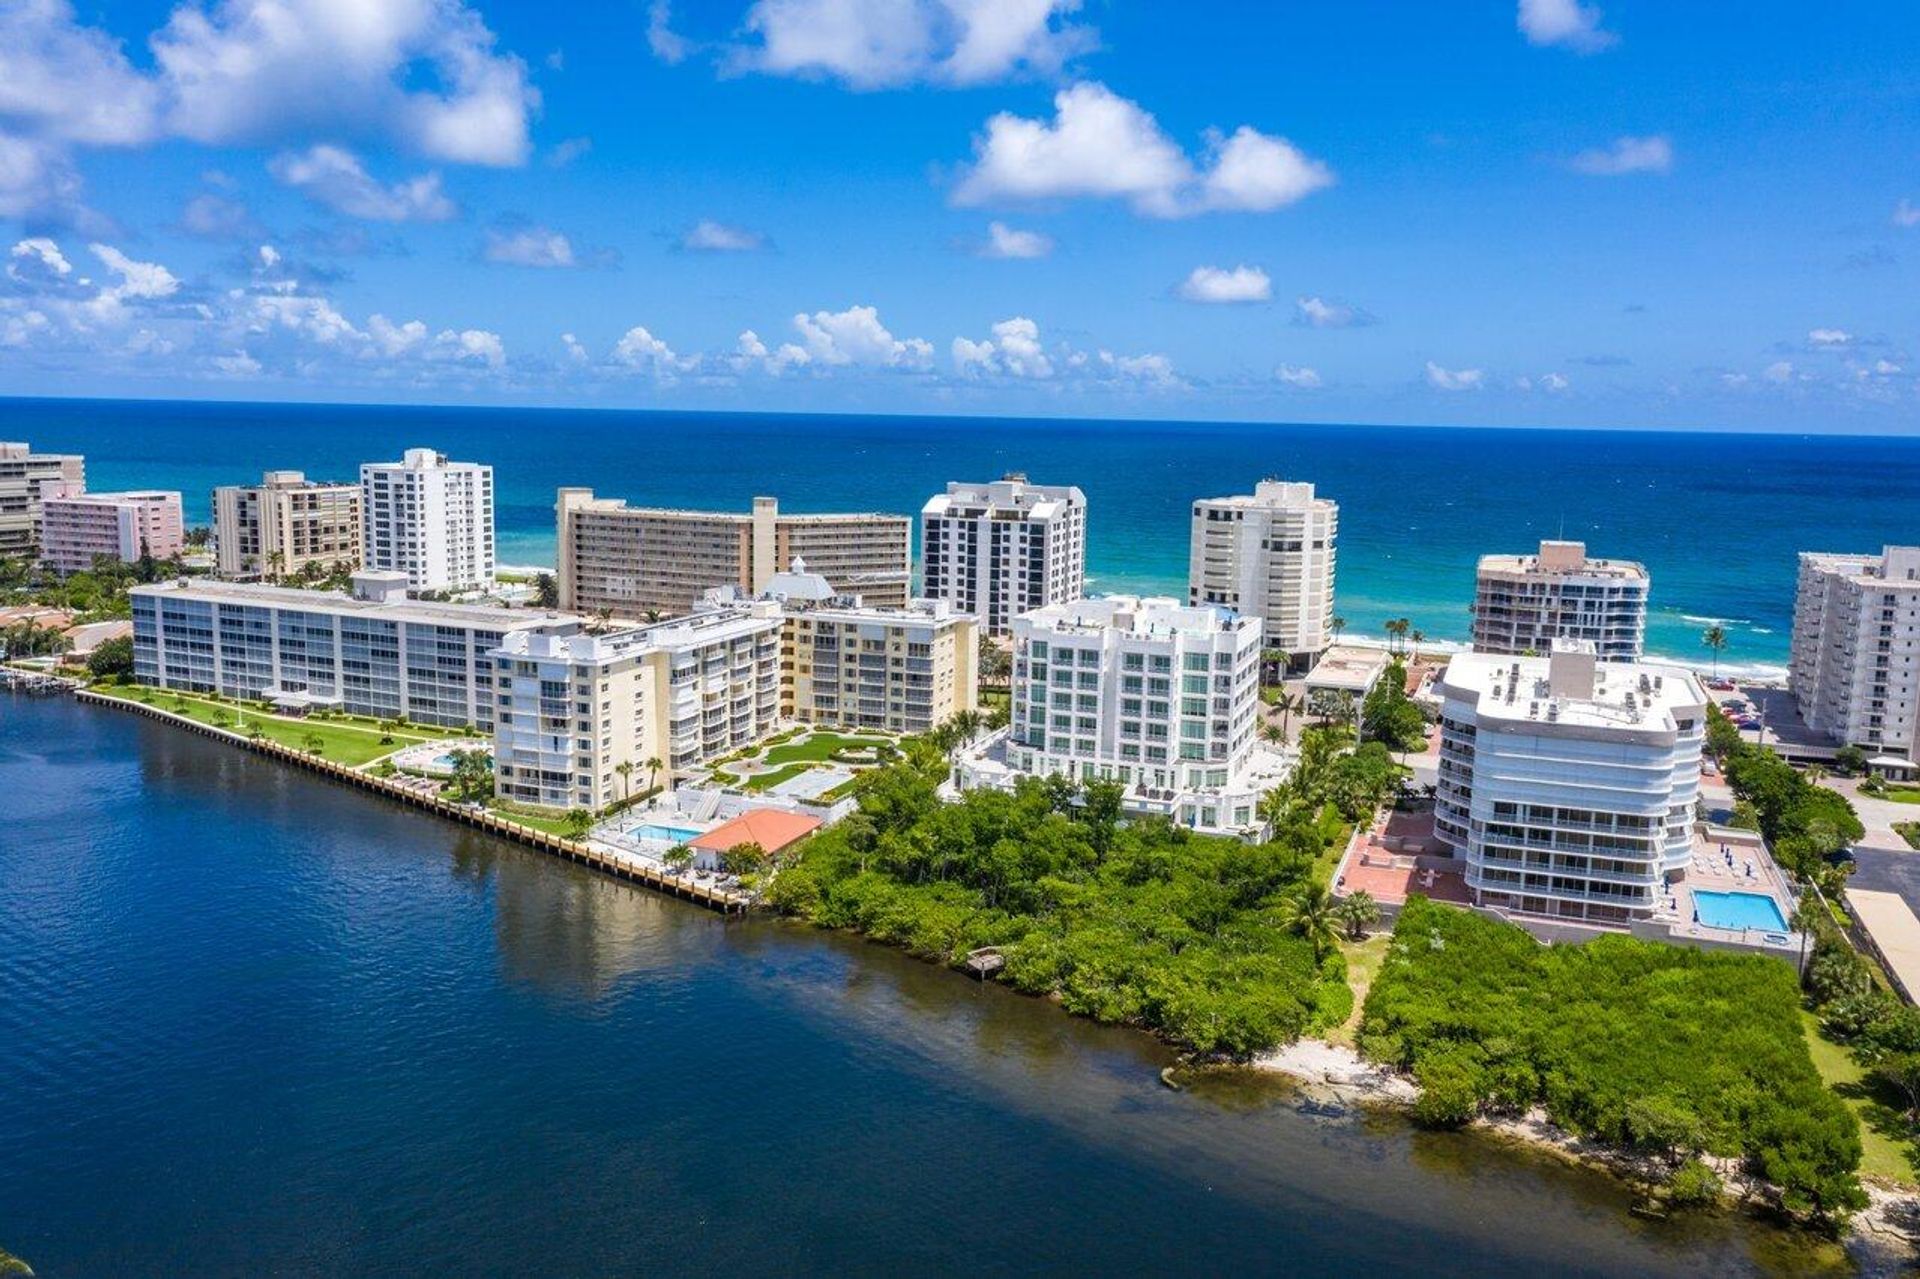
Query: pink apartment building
point(75, 526)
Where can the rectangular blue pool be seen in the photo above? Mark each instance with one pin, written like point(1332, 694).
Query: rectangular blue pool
point(1738, 910)
point(666, 834)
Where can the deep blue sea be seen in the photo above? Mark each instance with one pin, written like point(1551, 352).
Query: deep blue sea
point(1718, 518)
point(255, 1023)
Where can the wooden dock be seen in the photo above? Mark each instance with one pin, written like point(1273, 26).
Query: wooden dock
point(483, 819)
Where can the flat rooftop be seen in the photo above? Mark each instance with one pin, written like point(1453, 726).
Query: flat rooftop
point(1626, 695)
point(1895, 933)
point(1156, 617)
point(482, 616)
point(1349, 668)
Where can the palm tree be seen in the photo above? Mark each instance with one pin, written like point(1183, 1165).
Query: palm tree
point(1358, 913)
point(1286, 703)
point(679, 857)
point(653, 770)
point(1338, 624)
point(1309, 914)
point(625, 769)
point(578, 821)
point(1418, 639)
point(1277, 805)
point(1715, 638)
point(1273, 733)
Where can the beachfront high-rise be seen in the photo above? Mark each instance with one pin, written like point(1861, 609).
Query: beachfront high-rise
point(1566, 783)
point(997, 550)
point(637, 562)
point(284, 523)
point(77, 527)
point(1269, 555)
point(1856, 635)
point(429, 518)
point(1523, 603)
point(23, 474)
point(1160, 696)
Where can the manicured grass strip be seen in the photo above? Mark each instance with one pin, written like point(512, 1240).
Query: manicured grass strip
point(819, 747)
point(551, 823)
point(1884, 1151)
point(342, 742)
point(766, 781)
point(1909, 831)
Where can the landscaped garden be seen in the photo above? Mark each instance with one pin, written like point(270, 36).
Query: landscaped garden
point(788, 755)
point(345, 739)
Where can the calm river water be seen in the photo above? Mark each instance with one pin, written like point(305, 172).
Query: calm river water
point(254, 1023)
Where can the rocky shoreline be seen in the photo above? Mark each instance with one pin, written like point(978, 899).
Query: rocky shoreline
point(1883, 1238)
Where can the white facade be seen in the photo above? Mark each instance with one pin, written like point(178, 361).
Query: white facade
point(1569, 784)
point(429, 518)
point(1001, 549)
point(1160, 696)
point(1269, 555)
point(1856, 634)
point(372, 653)
point(1523, 603)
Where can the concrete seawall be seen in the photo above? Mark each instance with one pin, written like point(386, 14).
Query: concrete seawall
point(492, 823)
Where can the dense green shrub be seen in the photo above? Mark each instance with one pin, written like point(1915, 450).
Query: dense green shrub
point(1662, 1048)
point(1138, 922)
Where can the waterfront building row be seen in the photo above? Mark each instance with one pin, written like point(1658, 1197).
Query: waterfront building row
point(1524, 603)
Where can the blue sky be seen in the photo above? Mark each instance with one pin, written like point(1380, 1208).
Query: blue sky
point(1549, 212)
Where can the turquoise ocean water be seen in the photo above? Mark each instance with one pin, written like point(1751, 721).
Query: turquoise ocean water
point(1717, 517)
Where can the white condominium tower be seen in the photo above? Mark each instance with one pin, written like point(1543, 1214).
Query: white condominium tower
point(997, 550)
point(636, 561)
point(284, 523)
point(1568, 784)
point(1269, 556)
point(1159, 696)
point(1856, 632)
point(1522, 603)
point(22, 475)
point(429, 518)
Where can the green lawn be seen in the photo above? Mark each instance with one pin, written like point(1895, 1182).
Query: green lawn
point(551, 823)
point(1903, 794)
point(1909, 831)
point(766, 781)
point(352, 741)
point(1363, 964)
point(1888, 1152)
point(818, 748)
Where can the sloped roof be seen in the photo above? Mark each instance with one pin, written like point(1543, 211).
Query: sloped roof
point(770, 828)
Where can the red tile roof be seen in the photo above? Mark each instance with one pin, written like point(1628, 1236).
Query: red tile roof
point(770, 828)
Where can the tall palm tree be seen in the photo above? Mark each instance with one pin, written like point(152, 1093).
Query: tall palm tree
point(1287, 704)
point(1273, 733)
point(1715, 638)
point(1338, 624)
point(653, 771)
point(625, 769)
point(1418, 639)
point(1309, 914)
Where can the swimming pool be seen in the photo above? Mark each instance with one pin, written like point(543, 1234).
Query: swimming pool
point(1738, 910)
point(665, 834)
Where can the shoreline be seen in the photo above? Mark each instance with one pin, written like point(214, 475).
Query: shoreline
point(1333, 1072)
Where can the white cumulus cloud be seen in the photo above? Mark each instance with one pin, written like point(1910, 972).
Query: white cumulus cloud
point(1828, 338)
point(1443, 379)
point(1100, 145)
point(856, 336)
point(334, 177)
point(528, 246)
point(1221, 284)
point(1014, 350)
point(1004, 241)
point(1300, 378)
point(1625, 156)
point(871, 44)
point(1566, 23)
point(1320, 313)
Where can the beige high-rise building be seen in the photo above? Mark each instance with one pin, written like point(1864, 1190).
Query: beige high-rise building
point(634, 562)
point(905, 670)
point(1856, 637)
point(1270, 556)
point(22, 474)
point(1523, 603)
point(284, 523)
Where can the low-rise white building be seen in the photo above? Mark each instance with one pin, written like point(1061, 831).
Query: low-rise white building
point(1523, 603)
point(1156, 694)
point(1856, 635)
point(1567, 784)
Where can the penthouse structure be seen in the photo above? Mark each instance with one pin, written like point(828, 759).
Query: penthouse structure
point(285, 523)
point(997, 550)
point(1523, 603)
point(638, 562)
point(77, 527)
point(1269, 555)
point(574, 705)
point(429, 518)
point(1856, 634)
point(1568, 784)
point(23, 476)
point(905, 670)
point(374, 652)
point(1154, 694)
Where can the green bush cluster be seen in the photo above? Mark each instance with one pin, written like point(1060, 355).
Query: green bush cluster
point(1141, 922)
point(1660, 1048)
